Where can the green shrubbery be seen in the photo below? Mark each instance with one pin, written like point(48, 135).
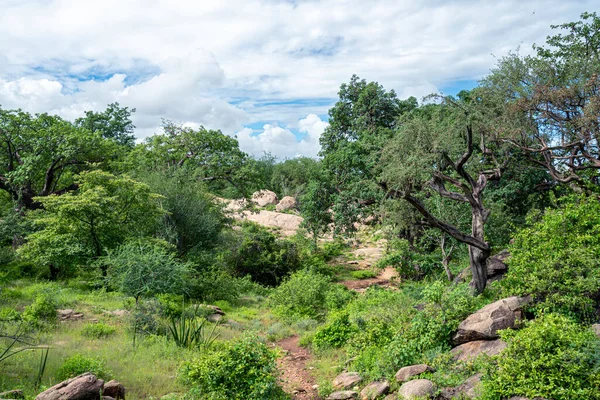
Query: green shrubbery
point(43, 309)
point(552, 358)
point(79, 364)
point(242, 369)
point(98, 330)
point(557, 260)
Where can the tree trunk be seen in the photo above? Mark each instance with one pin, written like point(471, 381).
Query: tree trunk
point(478, 257)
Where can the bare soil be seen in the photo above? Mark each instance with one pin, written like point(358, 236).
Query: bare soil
point(296, 377)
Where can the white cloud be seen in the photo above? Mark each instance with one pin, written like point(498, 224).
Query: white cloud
point(231, 63)
point(282, 141)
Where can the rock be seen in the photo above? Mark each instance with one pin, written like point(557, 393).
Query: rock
point(485, 323)
point(118, 313)
point(417, 389)
point(236, 205)
point(405, 373)
point(287, 203)
point(82, 387)
point(392, 396)
point(12, 394)
point(471, 350)
point(467, 390)
point(596, 329)
point(287, 223)
point(374, 389)
point(496, 264)
point(263, 198)
point(114, 389)
point(68, 314)
point(214, 309)
point(343, 395)
point(346, 380)
point(108, 398)
point(214, 318)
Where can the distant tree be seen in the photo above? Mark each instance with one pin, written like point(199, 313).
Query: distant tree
point(291, 177)
point(113, 123)
point(40, 154)
point(80, 227)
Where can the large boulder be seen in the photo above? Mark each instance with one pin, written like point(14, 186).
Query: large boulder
point(471, 350)
point(374, 389)
point(287, 203)
point(343, 395)
point(496, 266)
point(263, 198)
point(485, 323)
point(404, 374)
point(596, 329)
point(114, 389)
point(467, 390)
point(82, 387)
point(346, 380)
point(417, 389)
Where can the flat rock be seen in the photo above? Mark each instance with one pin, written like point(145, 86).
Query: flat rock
point(114, 389)
point(374, 389)
point(485, 323)
point(471, 350)
point(82, 387)
point(343, 395)
point(404, 374)
point(419, 388)
point(68, 314)
point(346, 380)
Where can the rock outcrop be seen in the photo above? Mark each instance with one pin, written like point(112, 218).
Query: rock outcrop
point(374, 389)
point(114, 389)
point(346, 380)
point(417, 389)
point(485, 323)
point(287, 203)
point(471, 350)
point(82, 387)
point(404, 374)
point(263, 198)
point(496, 266)
point(467, 390)
point(343, 395)
point(68, 315)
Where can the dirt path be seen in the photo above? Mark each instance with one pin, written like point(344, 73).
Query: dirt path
point(297, 380)
point(383, 279)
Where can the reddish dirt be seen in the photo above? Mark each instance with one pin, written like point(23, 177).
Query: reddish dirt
point(297, 380)
point(383, 279)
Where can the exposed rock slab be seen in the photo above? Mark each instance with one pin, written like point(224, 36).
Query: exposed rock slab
point(82, 387)
point(374, 389)
point(263, 198)
point(68, 315)
point(485, 323)
point(288, 223)
point(404, 374)
point(471, 350)
point(287, 203)
point(343, 395)
point(346, 380)
point(419, 388)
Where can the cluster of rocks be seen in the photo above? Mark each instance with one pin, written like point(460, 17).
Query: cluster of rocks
point(84, 387)
point(264, 198)
point(476, 335)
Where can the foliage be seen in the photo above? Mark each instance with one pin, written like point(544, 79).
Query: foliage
point(114, 123)
point(97, 330)
point(315, 206)
point(552, 358)
point(302, 295)
point(556, 259)
point(76, 228)
point(79, 364)
point(43, 309)
point(291, 177)
point(257, 252)
point(336, 332)
point(190, 331)
point(143, 268)
point(215, 283)
point(363, 274)
point(243, 369)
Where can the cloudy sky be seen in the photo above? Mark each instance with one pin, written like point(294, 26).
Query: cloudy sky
point(266, 71)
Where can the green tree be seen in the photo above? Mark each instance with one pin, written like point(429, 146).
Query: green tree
point(113, 123)
point(292, 177)
point(80, 227)
point(40, 154)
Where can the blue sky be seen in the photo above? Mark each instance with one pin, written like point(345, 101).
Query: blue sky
point(266, 71)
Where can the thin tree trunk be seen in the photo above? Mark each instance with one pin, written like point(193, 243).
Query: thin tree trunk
point(478, 257)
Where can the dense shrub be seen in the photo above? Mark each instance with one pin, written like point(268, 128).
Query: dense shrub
point(335, 333)
point(302, 295)
point(257, 252)
point(214, 284)
point(243, 369)
point(557, 260)
point(79, 364)
point(552, 358)
point(43, 309)
point(97, 330)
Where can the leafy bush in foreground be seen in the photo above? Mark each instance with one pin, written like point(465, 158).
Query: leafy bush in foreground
point(552, 358)
point(244, 369)
point(98, 330)
point(557, 260)
point(78, 364)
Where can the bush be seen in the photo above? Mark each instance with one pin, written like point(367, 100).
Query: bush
point(302, 295)
point(552, 358)
point(335, 333)
point(557, 260)
point(43, 309)
point(244, 369)
point(363, 274)
point(79, 364)
point(97, 331)
point(216, 284)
